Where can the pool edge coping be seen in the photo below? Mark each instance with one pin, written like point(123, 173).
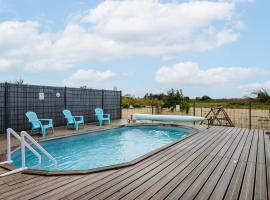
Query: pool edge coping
point(116, 166)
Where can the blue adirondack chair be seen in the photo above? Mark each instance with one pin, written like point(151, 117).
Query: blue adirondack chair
point(101, 116)
point(73, 120)
point(37, 123)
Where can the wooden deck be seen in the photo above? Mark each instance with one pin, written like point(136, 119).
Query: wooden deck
point(217, 163)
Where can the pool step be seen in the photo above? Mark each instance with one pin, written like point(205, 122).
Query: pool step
point(3, 170)
point(7, 167)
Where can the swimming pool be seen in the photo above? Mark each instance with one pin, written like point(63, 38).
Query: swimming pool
point(102, 148)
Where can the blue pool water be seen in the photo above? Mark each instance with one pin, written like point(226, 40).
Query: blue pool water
point(102, 148)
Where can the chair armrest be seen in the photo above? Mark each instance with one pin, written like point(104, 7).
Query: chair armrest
point(50, 121)
point(81, 117)
point(45, 119)
point(107, 115)
point(33, 120)
point(36, 121)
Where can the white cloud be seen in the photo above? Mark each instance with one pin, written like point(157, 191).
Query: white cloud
point(240, 1)
point(189, 73)
point(5, 64)
point(84, 77)
point(116, 29)
point(255, 86)
point(149, 27)
point(37, 51)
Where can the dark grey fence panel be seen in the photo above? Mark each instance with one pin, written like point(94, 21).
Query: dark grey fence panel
point(53, 104)
point(111, 103)
point(83, 102)
point(2, 108)
point(23, 98)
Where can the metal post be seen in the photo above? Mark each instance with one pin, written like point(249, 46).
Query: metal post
point(8, 147)
point(250, 117)
point(194, 112)
point(102, 99)
point(6, 106)
point(152, 102)
point(120, 104)
point(23, 150)
point(65, 97)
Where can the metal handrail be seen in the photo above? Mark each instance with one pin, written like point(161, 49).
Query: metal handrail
point(24, 143)
point(10, 132)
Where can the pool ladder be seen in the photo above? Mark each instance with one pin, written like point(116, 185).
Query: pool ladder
point(23, 144)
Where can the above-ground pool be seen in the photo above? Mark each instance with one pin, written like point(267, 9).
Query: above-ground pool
point(102, 148)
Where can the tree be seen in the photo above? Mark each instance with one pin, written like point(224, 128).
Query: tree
point(173, 98)
point(197, 98)
point(83, 87)
point(169, 100)
point(205, 98)
point(262, 95)
point(19, 81)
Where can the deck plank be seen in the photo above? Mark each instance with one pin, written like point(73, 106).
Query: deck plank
point(220, 189)
point(236, 181)
point(267, 148)
point(260, 192)
point(267, 160)
point(9, 194)
point(60, 193)
point(247, 189)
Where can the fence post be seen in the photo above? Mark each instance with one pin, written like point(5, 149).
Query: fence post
point(194, 112)
point(65, 97)
point(102, 99)
point(120, 104)
point(250, 117)
point(6, 106)
point(152, 102)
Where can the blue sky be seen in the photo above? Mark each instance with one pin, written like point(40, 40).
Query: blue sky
point(216, 48)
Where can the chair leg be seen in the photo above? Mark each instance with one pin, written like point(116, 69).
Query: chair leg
point(43, 130)
point(100, 123)
point(76, 126)
point(52, 130)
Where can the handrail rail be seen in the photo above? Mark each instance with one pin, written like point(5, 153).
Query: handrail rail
point(24, 143)
point(10, 132)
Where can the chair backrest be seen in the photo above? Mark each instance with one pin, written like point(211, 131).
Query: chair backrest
point(99, 113)
point(68, 115)
point(32, 117)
